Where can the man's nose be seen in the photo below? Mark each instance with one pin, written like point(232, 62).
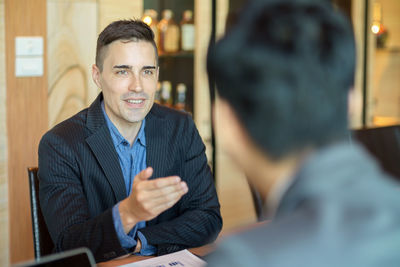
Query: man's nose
point(135, 84)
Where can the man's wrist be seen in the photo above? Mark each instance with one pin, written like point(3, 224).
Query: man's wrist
point(128, 221)
point(138, 246)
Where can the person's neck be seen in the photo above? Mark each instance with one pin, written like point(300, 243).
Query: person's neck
point(130, 132)
point(267, 174)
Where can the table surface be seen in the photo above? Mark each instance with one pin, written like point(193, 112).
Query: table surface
point(199, 251)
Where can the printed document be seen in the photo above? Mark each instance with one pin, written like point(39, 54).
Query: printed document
point(177, 259)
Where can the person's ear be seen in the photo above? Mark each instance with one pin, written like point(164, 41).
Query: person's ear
point(96, 75)
point(228, 126)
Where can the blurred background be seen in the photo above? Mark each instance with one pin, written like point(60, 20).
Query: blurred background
point(47, 48)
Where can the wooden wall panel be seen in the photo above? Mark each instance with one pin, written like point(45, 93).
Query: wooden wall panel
point(26, 121)
point(71, 43)
point(111, 10)
point(3, 149)
point(202, 105)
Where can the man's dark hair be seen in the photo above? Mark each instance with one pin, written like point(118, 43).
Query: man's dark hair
point(286, 68)
point(127, 30)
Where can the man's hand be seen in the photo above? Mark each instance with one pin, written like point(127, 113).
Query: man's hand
point(149, 198)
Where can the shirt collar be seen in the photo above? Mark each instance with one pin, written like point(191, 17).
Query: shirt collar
point(116, 135)
point(141, 137)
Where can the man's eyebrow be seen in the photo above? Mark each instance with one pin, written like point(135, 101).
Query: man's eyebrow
point(149, 67)
point(122, 67)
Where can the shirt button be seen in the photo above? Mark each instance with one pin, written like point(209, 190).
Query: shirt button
point(125, 143)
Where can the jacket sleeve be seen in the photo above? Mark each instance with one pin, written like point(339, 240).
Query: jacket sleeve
point(65, 207)
point(198, 219)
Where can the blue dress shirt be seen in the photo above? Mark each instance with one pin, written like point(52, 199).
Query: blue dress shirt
point(132, 160)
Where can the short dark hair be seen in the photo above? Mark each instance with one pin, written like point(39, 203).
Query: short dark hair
point(123, 30)
point(286, 68)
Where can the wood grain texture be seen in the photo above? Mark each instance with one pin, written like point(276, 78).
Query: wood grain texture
point(202, 105)
point(71, 37)
point(3, 149)
point(111, 10)
point(26, 121)
point(234, 194)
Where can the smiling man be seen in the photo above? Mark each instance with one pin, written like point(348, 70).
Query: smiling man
point(126, 175)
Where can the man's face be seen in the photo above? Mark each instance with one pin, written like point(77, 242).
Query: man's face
point(128, 81)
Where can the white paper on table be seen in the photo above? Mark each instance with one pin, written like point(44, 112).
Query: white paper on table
point(176, 259)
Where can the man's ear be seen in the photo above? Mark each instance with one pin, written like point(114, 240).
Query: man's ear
point(232, 133)
point(96, 75)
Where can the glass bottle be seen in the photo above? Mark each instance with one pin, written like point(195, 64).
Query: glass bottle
point(187, 31)
point(150, 18)
point(180, 100)
point(166, 96)
point(169, 33)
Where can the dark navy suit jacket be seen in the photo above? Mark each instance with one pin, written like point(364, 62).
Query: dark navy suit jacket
point(81, 180)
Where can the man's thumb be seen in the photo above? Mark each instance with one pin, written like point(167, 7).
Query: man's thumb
point(145, 174)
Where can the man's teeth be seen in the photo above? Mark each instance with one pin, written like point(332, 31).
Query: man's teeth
point(135, 101)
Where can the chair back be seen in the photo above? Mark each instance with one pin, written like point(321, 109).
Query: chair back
point(384, 144)
point(42, 243)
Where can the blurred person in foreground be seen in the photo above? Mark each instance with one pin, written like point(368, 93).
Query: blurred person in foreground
point(126, 175)
point(283, 74)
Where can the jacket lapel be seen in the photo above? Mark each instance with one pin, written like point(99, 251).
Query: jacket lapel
point(155, 142)
point(156, 148)
point(102, 147)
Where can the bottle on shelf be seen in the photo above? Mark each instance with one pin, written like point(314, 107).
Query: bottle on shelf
point(180, 100)
point(187, 31)
point(169, 33)
point(150, 18)
point(166, 96)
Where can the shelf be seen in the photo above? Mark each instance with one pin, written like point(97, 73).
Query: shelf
point(175, 67)
point(176, 55)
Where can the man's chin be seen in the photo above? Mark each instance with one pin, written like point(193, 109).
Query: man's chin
point(136, 117)
point(135, 120)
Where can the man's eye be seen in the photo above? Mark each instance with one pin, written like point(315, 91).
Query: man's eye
point(122, 72)
point(148, 72)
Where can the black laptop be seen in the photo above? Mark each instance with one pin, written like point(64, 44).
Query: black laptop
point(76, 257)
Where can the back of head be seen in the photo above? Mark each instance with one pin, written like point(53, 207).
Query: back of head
point(286, 68)
point(126, 30)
